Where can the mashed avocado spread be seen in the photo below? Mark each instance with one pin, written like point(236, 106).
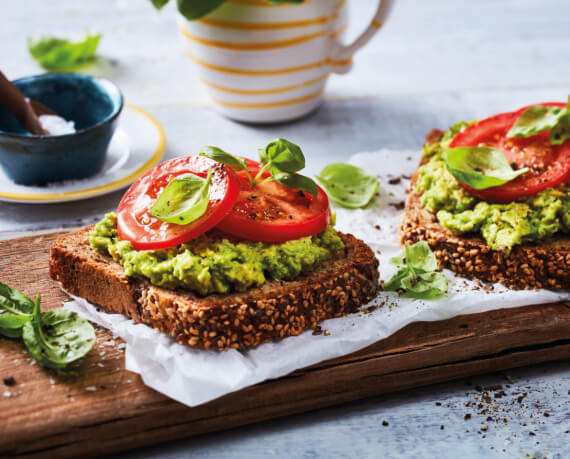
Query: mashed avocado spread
point(501, 225)
point(207, 265)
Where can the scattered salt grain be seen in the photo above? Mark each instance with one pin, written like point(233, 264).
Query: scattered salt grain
point(99, 364)
point(91, 388)
point(109, 343)
point(121, 346)
point(7, 394)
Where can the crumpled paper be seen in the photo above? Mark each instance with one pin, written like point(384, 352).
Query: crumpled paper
point(193, 376)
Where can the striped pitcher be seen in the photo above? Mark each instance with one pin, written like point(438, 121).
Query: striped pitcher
point(266, 63)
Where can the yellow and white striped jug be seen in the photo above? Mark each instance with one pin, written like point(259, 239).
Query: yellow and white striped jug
point(265, 62)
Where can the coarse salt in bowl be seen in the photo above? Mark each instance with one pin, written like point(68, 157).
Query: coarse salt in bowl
point(92, 104)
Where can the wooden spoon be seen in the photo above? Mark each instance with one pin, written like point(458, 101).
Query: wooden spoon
point(24, 109)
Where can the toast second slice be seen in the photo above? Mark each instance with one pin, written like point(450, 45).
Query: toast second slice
point(528, 266)
point(221, 321)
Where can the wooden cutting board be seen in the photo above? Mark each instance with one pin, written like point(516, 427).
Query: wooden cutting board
point(105, 408)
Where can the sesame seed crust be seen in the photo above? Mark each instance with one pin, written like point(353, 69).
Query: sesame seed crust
point(275, 310)
point(528, 266)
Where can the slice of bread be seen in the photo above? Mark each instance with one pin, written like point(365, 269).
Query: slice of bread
point(529, 266)
point(239, 320)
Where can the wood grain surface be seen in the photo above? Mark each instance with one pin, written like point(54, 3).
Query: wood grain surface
point(103, 408)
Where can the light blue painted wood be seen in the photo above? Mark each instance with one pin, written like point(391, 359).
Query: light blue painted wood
point(414, 424)
point(435, 62)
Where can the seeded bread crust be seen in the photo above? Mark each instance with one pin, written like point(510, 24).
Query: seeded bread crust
point(545, 265)
point(239, 320)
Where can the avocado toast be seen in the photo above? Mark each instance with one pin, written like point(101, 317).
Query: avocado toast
point(221, 252)
point(487, 234)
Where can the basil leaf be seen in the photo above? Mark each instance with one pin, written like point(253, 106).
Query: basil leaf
point(348, 185)
point(426, 286)
point(417, 276)
point(395, 282)
point(159, 4)
point(297, 182)
point(284, 155)
point(13, 299)
point(420, 257)
point(480, 167)
point(11, 332)
point(57, 338)
point(561, 132)
point(183, 200)
point(535, 119)
point(195, 9)
point(58, 54)
point(15, 309)
point(13, 321)
point(219, 155)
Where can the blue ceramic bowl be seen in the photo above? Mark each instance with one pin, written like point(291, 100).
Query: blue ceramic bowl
point(94, 104)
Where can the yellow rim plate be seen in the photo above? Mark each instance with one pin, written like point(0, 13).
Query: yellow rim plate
point(143, 140)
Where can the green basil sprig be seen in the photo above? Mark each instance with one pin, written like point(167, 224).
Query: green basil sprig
point(57, 338)
point(56, 54)
point(417, 275)
point(195, 9)
point(54, 338)
point(281, 159)
point(184, 199)
point(348, 185)
point(233, 162)
point(480, 167)
point(539, 118)
point(15, 310)
point(560, 133)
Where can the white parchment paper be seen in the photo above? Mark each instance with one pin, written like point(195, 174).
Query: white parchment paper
point(193, 376)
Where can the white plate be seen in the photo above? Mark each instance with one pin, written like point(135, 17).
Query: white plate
point(136, 147)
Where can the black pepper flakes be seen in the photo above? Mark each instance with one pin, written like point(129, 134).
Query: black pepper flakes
point(385, 423)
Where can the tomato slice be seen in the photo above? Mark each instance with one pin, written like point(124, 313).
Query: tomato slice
point(549, 164)
point(272, 213)
point(135, 224)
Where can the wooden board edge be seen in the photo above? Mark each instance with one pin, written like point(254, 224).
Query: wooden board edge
point(124, 434)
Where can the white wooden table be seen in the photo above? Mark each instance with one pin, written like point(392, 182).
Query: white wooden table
point(435, 62)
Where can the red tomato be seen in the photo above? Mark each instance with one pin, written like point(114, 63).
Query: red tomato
point(549, 164)
point(272, 213)
point(135, 224)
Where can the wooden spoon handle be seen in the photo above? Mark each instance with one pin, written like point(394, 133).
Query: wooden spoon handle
point(19, 106)
point(40, 109)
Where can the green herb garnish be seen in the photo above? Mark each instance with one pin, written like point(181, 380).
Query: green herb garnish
point(184, 199)
point(54, 338)
point(417, 275)
point(195, 9)
point(57, 54)
point(480, 167)
point(281, 159)
point(233, 162)
point(539, 118)
point(348, 185)
point(15, 310)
